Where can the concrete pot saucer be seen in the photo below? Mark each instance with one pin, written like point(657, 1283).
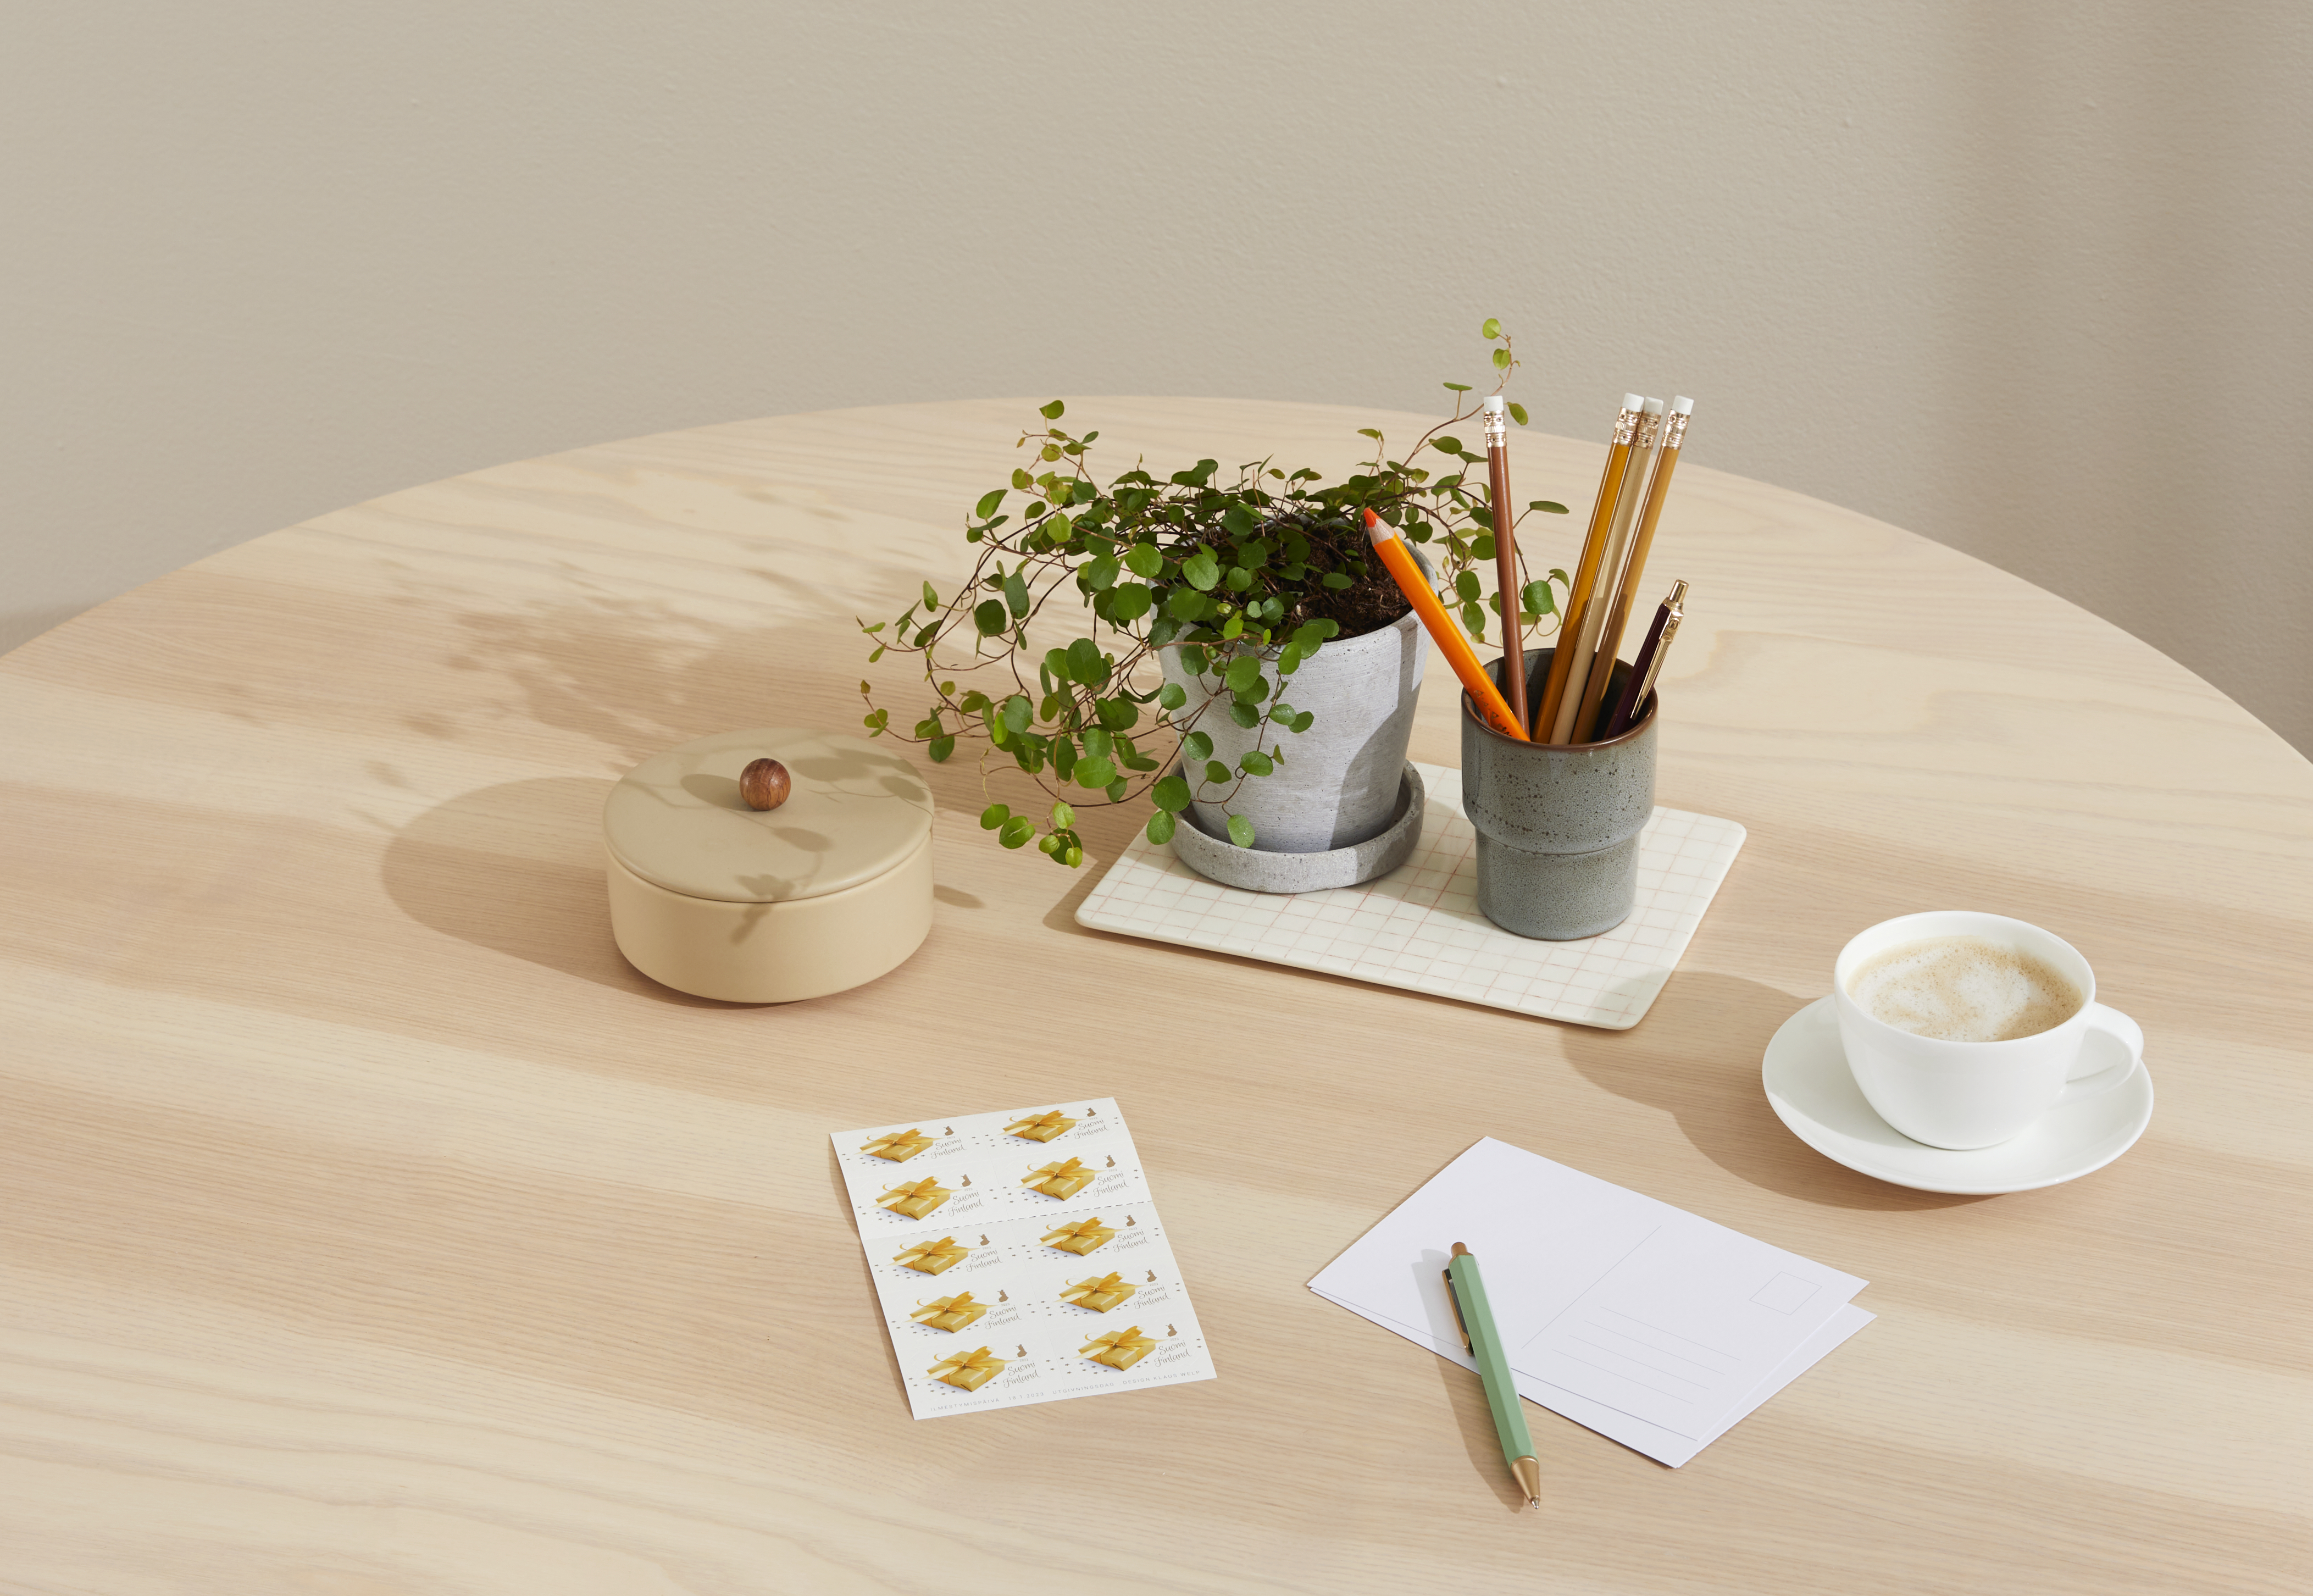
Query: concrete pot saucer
point(1216, 859)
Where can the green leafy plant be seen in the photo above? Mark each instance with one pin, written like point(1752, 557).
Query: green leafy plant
point(1224, 567)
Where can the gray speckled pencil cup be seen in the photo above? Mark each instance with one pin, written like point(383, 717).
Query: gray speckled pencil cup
point(1558, 828)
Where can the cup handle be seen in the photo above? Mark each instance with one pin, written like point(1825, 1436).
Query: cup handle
point(2108, 1030)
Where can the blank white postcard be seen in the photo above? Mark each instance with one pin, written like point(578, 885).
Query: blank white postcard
point(1644, 1322)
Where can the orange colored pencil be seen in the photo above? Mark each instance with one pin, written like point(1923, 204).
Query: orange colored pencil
point(1447, 636)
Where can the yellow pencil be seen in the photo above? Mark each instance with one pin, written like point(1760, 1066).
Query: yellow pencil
point(1586, 573)
point(1643, 449)
point(1588, 726)
point(1442, 630)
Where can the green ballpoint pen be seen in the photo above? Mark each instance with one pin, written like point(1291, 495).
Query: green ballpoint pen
point(1467, 1291)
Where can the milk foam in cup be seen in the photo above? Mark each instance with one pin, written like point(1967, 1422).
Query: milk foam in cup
point(1964, 988)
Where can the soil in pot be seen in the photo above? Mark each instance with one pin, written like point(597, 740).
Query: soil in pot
point(1371, 601)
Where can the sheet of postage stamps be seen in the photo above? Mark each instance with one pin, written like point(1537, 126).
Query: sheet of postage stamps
point(1017, 1257)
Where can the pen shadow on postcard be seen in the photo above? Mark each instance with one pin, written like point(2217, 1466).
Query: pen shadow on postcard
point(1697, 1057)
point(1472, 1414)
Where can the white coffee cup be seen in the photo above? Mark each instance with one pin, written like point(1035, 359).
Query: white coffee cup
point(1977, 1094)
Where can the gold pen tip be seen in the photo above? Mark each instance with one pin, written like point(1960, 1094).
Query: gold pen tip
point(1460, 1250)
point(1529, 1479)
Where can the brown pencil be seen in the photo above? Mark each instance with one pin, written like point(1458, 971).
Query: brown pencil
point(1586, 573)
point(1588, 724)
point(1505, 579)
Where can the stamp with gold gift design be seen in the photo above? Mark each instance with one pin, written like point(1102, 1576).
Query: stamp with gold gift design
point(899, 1146)
point(915, 1200)
point(929, 1257)
point(1080, 1237)
point(971, 1369)
point(1100, 1295)
point(949, 1313)
point(1039, 1127)
point(1062, 1181)
point(1119, 1349)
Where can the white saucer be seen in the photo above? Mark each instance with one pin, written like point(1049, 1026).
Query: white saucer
point(1810, 1087)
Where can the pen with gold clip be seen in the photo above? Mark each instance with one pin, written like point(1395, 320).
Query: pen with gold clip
point(1467, 1291)
point(1647, 666)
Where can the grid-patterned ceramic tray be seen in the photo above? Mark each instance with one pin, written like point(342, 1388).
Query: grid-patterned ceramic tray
point(1419, 926)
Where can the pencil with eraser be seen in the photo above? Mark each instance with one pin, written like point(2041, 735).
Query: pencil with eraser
point(1399, 561)
point(1579, 598)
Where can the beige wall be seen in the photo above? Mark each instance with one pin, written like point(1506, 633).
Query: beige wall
point(2031, 279)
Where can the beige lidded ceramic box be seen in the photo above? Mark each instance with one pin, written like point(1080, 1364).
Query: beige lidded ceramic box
point(832, 888)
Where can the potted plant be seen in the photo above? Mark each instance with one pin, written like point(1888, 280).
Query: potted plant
point(1213, 596)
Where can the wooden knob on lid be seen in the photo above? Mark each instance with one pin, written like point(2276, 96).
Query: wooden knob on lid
point(764, 784)
point(686, 820)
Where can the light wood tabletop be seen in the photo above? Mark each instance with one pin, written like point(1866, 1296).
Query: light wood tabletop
point(367, 1225)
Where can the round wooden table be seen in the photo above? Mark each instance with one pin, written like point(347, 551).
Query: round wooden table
point(366, 1224)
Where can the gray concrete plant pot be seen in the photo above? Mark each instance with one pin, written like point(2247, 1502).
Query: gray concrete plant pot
point(1558, 827)
point(1339, 783)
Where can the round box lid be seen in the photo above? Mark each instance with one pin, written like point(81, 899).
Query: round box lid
point(853, 812)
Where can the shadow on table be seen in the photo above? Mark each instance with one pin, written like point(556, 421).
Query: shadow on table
point(515, 868)
point(1697, 1057)
point(638, 675)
